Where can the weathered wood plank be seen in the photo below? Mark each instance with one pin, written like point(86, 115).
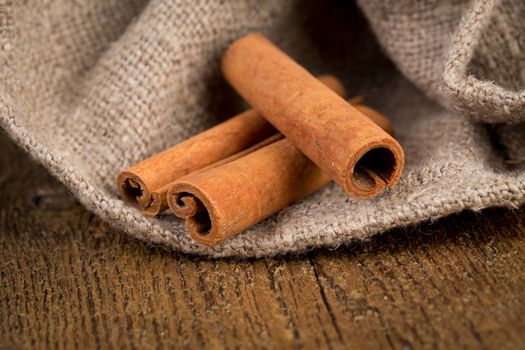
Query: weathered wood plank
point(67, 280)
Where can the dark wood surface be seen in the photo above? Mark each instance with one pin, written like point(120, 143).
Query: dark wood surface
point(67, 280)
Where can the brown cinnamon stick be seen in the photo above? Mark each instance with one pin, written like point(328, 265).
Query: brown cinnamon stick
point(224, 200)
point(147, 182)
point(352, 150)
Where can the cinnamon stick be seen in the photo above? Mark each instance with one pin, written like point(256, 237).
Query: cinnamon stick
point(224, 200)
point(146, 183)
point(361, 157)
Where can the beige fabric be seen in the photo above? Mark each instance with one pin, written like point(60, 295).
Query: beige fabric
point(91, 87)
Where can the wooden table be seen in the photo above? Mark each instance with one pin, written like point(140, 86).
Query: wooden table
point(67, 280)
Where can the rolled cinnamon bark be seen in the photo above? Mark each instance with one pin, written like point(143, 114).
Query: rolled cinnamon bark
point(224, 200)
point(352, 150)
point(379, 119)
point(147, 182)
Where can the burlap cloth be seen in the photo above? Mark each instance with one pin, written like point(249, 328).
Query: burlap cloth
point(90, 87)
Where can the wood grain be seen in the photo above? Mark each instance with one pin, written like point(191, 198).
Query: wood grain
point(69, 281)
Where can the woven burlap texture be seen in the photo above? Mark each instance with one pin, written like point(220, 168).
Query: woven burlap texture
point(89, 88)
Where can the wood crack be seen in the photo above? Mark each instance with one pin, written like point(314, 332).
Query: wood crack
point(325, 300)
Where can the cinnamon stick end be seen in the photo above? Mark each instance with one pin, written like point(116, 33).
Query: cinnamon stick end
point(379, 166)
point(133, 190)
point(188, 203)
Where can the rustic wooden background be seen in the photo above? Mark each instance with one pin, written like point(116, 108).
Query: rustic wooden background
point(67, 281)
